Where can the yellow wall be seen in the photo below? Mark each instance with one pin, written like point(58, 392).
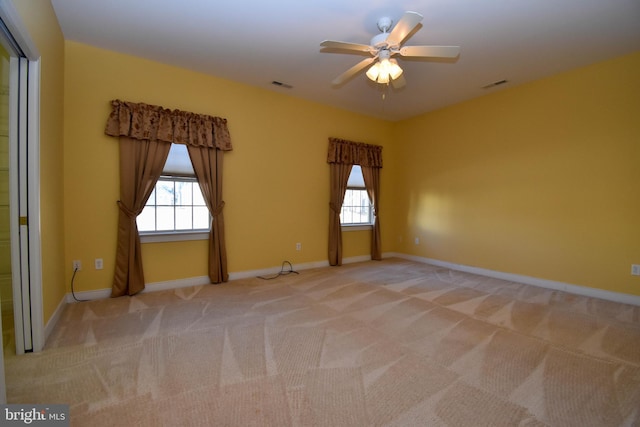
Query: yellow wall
point(42, 25)
point(275, 180)
point(539, 180)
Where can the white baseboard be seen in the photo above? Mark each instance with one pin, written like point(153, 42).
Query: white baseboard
point(297, 267)
point(53, 320)
point(274, 270)
point(88, 295)
point(353, 259)
point(527, 280)
point(149, 287)
point(204, 280)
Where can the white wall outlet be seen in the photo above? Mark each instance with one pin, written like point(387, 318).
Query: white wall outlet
point(298, 246)
point(77, 265)
point(416, 240)
point(98, 264)
point(635, 269)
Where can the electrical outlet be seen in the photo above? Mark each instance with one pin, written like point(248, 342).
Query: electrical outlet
point(635, 269)
point(417, 240)
point(98, 264)
point(77, 265)
point(298, 246)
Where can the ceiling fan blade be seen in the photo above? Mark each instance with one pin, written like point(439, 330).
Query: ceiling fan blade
point(352, 71)
point(399, 83)
point(346, 46)
point(431, 51)
point(405, 25)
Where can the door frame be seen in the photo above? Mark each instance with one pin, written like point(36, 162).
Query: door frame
point(18, 30)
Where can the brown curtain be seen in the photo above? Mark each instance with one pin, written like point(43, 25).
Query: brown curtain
point(207, 164)
point(146, 133)
point(342, 155)
point(141, 164)
point(338, 181)
point(372, 183)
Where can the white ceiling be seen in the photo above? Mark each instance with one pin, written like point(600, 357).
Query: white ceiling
point(258, 41)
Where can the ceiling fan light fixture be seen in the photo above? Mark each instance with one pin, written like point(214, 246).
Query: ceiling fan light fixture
point(384, 71)
point(373, 72)
point(394, 69)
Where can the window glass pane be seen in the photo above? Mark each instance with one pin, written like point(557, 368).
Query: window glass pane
point(347, 199)
point(183, 192)
point(147, 219)
point(152, 198)
point(345, 218)
point(363, 199)
point(198, 200)
point(183, 218)
point(354, 198)
point(164, 218)
point(165, 193)
point(201, 218)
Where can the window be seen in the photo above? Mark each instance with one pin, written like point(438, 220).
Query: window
point(176, 204)
point(356, 206)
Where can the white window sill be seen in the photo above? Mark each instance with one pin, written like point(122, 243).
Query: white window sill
point(356, 227)
point(175, 236)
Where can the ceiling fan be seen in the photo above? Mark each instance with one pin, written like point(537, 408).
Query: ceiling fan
point(385, 45)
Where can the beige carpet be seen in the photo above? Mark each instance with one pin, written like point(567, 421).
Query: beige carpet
point(376, 343)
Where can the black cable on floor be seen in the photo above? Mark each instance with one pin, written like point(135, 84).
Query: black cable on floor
point(75, 270)
point(282, 272)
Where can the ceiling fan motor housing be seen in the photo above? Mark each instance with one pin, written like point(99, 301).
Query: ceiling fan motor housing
point(379, 40)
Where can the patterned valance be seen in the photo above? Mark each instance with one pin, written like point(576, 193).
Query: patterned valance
point(354, 153)
point(152, 122)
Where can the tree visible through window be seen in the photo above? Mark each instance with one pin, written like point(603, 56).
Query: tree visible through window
point(356, 206)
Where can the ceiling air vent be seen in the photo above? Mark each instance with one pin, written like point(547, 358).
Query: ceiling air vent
point(284, 85)
point(494, 84)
